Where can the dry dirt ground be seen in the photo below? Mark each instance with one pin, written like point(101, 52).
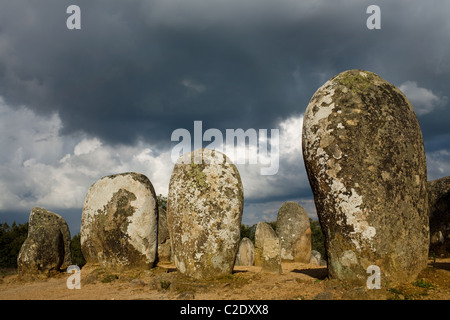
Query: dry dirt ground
point(297, 282)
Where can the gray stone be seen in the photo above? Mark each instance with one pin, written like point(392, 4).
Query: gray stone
point(136, 283)
point(262, 232)
point(326, 295)
point(204, 213)
point(272, 256)
point(246, 253)
point(119, 222)
point(187, 295)
point(316, 258)
point(164, 245)
point(439, 212)
point(365, 159)
point(47, 246)
point(294, 231)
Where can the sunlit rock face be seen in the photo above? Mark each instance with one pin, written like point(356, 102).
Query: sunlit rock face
point(204, 213)
point(364, 155)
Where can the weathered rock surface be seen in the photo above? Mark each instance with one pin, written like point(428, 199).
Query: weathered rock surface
point(164, 245)
point(246, 253)
point(364, 155)
point(315, 258)
point(204, 212)
point(119, 222)
point(439, 212)
point(47, 247)
point(262, 232)
point(294, 231)
point(272, 256)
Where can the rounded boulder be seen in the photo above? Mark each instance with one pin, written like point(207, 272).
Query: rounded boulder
point(119, 222)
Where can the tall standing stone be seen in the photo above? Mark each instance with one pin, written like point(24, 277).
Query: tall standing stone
point(272, 256)
point(47, 246)
point(439, 212)
point(294, 231)
point(263, 232)
point(119, 222)
point(204, 213)
point(246, 253)
point(365, 159)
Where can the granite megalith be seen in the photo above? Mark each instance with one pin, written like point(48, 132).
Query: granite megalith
point(294, 231)
point(439, 212)
point(246, 253)
point(272, 256)
point(119, 222)
point(365, 159)
point(263, 231)
point(47, 246)
point(204, 212)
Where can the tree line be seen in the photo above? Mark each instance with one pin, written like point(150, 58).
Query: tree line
point(12, 238)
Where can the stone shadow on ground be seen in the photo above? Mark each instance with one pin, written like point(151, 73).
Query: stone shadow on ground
point(441, 265)
point(318, 273)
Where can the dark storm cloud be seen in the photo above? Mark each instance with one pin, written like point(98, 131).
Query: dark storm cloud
point(140, 69)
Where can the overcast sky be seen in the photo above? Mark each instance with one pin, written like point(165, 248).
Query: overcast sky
point(76, 105)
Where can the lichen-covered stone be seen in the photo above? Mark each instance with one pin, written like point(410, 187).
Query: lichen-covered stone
point(262, 232)
point(47, 247)
point(246, 253)
point(364, 155)
point(439, 212)
point(119, 222)
point(204, 212)
point(294, 231)
point(164, 245)
point(272, 256)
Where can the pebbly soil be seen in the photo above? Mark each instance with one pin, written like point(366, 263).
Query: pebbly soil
point(297, 282)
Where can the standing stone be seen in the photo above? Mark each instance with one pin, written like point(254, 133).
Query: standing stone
point(119, 222)
point(263, 231)
point(246, 253)
point(164, 245)
point(316, 259)
point(365, 159)
point(439, 212)
point(204, 213)
point(47, 246)
point(294, 231)
point(272, 256)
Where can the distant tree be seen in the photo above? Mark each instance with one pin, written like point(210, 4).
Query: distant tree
point(162, 201)
point(11, 240)
point(75, 248)
point(317, 238)
point(248, 232)
point(273, 224)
